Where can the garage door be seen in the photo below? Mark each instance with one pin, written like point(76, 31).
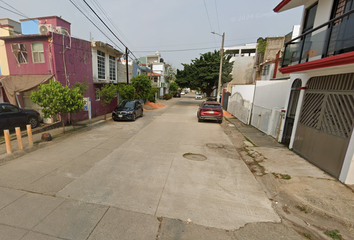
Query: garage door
point(326, 121)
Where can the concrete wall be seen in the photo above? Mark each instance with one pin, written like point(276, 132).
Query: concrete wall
point(243, 70)
point(29, 67)
point(240, 102)
point(270, 98)
point(8, 27)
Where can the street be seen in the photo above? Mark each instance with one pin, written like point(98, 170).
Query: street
point(164, 176)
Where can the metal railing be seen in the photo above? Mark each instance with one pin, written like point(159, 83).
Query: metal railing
point(331, 38)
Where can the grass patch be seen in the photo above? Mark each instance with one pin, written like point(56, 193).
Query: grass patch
point(308, 236)
point(334, 234)
point(282, 176)
point(302, 209)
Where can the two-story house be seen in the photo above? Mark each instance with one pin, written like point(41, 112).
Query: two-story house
point(46, 50)
point(320, 114)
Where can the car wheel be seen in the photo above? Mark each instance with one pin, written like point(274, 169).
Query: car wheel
point(133, 117)
point(220, 121)
point(199, 120)
point(142, 113)
point(33, 122)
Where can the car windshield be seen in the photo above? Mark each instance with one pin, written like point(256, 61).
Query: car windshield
point(212, 106)
point(127, 104)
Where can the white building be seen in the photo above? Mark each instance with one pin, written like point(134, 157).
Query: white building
point(320, 105)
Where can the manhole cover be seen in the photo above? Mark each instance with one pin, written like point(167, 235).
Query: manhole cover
point(194, 156)
point(215, 145)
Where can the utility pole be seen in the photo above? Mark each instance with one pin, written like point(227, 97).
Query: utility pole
point(126, 63)
point(220, 71)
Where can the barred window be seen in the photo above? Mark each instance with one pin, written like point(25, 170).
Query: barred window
point(101, 64)
point(112, 68)
point(20, 52)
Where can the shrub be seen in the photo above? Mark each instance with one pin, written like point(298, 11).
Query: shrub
point(167, 96)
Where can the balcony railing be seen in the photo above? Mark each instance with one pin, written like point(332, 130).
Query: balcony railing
point(329, 39)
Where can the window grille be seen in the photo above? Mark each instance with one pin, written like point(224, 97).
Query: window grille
point(101, 65)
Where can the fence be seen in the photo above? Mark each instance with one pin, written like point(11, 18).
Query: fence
point(240, 108)
point(267, 120)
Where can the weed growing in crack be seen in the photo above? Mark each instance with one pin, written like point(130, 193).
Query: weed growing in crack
point(334, 234)
point(308, 236)
point(302, 209)
point(282, 176)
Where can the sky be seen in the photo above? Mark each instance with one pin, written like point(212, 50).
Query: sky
point(179, 29)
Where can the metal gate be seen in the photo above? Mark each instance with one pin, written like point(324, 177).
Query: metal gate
point(326, 121)
point(290, 114)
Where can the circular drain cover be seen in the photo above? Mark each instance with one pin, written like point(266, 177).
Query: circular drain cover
point(215, 145)
point(194, 156)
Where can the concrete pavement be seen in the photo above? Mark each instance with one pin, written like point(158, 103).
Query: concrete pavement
point(130, 180)
point(304, 196)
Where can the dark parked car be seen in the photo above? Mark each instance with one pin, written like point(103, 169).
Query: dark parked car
point(12, 117)
point(177, 94)
point(128, 110)
point(210, 110)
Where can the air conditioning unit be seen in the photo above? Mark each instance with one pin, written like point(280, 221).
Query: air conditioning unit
point(62, 31)
point(44, 29)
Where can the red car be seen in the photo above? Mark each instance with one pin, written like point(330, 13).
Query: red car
point(210, 110)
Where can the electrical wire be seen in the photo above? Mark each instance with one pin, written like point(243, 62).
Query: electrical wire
point(12, 11)
point(217, 15)
point(107, 27)
point(94, 23)
point(113, 24)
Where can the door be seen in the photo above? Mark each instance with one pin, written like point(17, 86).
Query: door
point(290, 115)
point(326, 121)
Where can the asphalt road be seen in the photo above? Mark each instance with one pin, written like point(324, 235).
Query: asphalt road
point(164, 176)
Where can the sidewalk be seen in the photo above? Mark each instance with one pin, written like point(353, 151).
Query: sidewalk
point(37, 135)
point(301, 193)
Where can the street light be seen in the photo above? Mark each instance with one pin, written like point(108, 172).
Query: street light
point(222, 56)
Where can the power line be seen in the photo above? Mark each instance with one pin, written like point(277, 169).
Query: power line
point(12, 11)
point(190, 49)
point(217, 15)
point(107, 26)
point(21, 14)
point(113, 23)
point(93, 23)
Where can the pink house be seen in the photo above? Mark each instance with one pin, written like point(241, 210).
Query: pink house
point(47, 51)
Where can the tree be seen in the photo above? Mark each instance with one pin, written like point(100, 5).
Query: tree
point(203, 73)
point(56, 99)
point(126, 91)
point(173, 87)
point(107, 93)
point(142, 85)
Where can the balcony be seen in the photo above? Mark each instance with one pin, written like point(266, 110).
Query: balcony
point(329, 39)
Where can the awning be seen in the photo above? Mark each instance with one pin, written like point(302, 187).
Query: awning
point(19, 83)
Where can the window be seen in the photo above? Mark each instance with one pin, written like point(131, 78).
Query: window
point(97, 91)
point(101, 65)
point(265, 70)
point(37, 52)
point(310, 18)
point(9, 109)
point(112, 68)
point(20, 52)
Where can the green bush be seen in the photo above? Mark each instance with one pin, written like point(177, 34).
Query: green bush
point(167, 96)
point(151, 95)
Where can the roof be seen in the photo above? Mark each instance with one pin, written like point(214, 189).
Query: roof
point(23, 36)
point(289, 4)
point(47, 17)
point(153, 74)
